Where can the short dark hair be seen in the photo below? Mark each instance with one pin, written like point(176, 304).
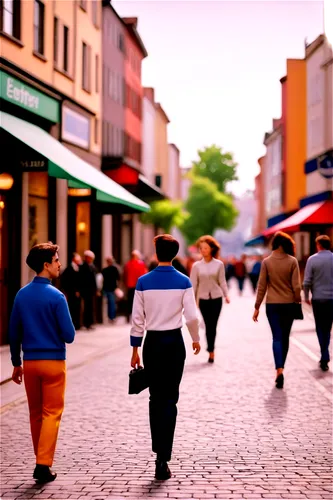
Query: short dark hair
point(285, 241)
point(39, 254)
point(324, 241)
point(166, 247)
point(212, 242)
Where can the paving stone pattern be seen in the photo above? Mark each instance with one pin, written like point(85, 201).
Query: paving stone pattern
point(237, 436)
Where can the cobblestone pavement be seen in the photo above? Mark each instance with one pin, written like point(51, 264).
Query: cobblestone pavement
point(237, 436)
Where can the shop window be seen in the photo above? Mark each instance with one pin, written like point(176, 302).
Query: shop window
point(11, 17)
point(39, 18)
point(83, 4)
point(66, 49)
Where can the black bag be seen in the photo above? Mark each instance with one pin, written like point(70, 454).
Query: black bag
point(298, 312)
point(137, 380)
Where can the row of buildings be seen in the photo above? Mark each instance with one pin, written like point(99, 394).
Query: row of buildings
point(84, 145)
point(294, 189)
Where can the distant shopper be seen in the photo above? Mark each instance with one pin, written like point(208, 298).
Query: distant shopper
point(240, 273)
point(161, 297)
point(70, 284)
point(179, 266)
point(255, 272)
point(280, 278)
point(133, 270)
point(40, 324)
point(88, 288)
point(209, 285)
point(111, 277)
point(318, 279)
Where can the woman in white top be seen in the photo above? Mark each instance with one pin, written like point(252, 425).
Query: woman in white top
point(209, 285)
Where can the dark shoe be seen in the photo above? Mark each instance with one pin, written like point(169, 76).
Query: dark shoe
point(162, 471)
point(210, 360)
point(43, 474)
point(324, 366)
point(279, 381)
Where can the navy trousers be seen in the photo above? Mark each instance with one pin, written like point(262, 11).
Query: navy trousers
point(163, 358)
point(280, 318)
point(323, 314)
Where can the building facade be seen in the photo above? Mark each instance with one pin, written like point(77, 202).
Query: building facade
point(50, 126)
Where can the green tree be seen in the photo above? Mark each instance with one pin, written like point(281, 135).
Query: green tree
point(217, 166)
point(164, 214)
point(206, 210)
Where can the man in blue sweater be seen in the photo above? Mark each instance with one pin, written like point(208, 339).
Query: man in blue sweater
point(318, 277)
point(40, 325)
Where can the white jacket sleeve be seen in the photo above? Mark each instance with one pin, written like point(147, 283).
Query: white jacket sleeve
point(138, 319)
point(223, 281)
point(190, 313)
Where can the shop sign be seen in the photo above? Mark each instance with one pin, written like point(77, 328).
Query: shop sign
point(21, 94)
point(33, 164)
point(75, 128)
point(325, 164)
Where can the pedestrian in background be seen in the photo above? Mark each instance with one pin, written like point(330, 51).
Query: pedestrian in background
point(133, 270)
point(318, 279)
point(209, 285)
point(71, 286)
point(88, 288)
point(240, 273)
point(161, 298)
point(255, 272)
point(280, 278)
point(177, 264)
point(41, 324)
point(111, 277)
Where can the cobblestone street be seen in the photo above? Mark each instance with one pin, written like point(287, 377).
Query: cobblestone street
point(237, 436)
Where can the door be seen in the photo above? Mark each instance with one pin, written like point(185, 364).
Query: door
point(4, 242)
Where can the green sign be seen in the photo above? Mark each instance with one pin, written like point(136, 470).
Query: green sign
point(17, 92)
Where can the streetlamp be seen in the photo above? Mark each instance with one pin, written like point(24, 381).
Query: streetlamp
point(6, 181)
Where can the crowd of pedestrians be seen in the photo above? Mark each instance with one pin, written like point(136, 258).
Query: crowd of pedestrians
point(43, 321)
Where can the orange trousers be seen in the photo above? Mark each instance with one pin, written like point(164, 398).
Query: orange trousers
point(45, 382)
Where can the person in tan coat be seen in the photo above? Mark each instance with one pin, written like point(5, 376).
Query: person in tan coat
point(280, 278)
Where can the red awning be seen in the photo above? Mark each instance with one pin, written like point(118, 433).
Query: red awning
point(316, 213)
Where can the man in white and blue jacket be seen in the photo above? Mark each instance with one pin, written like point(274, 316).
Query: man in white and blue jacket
point(40, 326)
point(161, 298)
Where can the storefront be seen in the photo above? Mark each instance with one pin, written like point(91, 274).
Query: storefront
point(36, 175)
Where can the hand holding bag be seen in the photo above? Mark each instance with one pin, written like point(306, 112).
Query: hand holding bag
point(137, 380)
point(298, 312)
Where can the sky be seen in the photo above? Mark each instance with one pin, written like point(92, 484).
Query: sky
point(216, 69)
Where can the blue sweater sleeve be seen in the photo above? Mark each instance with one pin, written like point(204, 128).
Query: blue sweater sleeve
point(15, 334)
point(66, 327)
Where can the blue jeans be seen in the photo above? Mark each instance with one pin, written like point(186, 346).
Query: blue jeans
point(111, 304)
point(323, 314)
point(280, 318)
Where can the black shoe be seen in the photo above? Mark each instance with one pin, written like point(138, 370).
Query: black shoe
point(162, 471)
point(43, 474)
point(210, 360)
point(279, 381)
point(324, 366)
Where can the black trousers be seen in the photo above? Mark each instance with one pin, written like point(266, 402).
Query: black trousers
point(164, 358)
point(323, 314)
point(88, 309)
point(210, 310)
point(254, 278)
point(74, 306)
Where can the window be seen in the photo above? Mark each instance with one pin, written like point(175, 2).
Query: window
point(83, 4)
point(96, 73)
point(95, 12)
point(121, 43)
point(55, 39)
point(39, 27)
point(85, 67)
point(96, 131)
point(11, 17)
point(66, 48)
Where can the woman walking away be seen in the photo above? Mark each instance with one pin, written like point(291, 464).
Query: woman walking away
point(280, 277)
point(209, 285)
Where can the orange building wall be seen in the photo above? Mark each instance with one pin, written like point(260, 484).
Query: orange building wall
point(133, 79)
point(295, 187)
